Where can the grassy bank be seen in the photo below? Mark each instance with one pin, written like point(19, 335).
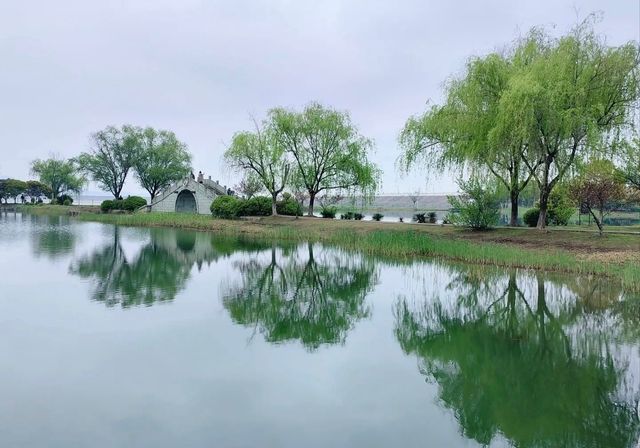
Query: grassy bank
point(563, 250)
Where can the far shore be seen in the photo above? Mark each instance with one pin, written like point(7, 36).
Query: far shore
point(571, 250)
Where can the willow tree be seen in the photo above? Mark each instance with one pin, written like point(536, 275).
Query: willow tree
point(329, 152)
point(576, 92)
point(461, 133)
point(528, 113)
point(113, 153)
point(60, 175)
point(161, 159)
point(260, 154)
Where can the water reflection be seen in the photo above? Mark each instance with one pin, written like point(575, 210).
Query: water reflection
point(157, 273)
point(514, 357)
point(312, 295)
point(54, 237)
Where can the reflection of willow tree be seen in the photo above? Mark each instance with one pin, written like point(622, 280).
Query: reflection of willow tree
point(51, 236)
point(315, 299)
point(507, 364)
point(155, 275)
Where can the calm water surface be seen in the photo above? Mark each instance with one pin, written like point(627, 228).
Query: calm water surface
point(117, 337)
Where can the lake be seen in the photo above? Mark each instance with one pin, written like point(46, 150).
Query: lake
point(114, 337)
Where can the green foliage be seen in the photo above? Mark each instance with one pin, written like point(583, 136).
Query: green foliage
point(358, 216)
point(160, 159)
point(288, 206)
point(114, 151)
point(36, 190)
point(420, 218)
point(328, 150)
point(107, 205)
point(132, 203)
point(256, 206)
point(377, 216)
point(226, 207)
point(64, 199)
point(261, 156)
point(477, 207)
point(61, 176)
point(12, 188)
point(432, 217)
point(329, 212)
point(561, 207)
point(347, 216)
point(531, 216)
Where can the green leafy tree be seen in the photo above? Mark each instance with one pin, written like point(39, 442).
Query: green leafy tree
point(328, 151)
point(629, 155)
point(462, 133)
point(598, 186)
point(113, 153)
point(250, 185)
point(60, 175)
point(575, 93)
point(260, 154)
point(477, 207)
point(13, 188)
point(160, 160)
point(36, 190)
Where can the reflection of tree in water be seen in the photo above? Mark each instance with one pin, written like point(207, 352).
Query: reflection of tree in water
point(52, 236)
point(315, 298)
point(518, 363)
point(158, 273)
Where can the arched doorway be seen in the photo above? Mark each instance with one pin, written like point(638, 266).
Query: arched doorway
point(186, 202)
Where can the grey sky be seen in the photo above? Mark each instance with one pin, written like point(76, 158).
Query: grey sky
point(202, 68)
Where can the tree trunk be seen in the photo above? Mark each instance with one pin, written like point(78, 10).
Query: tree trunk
point(274, 209)
point(514, 208)
point(153, 195)
point(312, 199)
point(544, 205)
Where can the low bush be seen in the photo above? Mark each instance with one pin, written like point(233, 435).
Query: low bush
point(64, 199)
point(348, 216)
point(377, 216)
point(288, 206)
point(531, 216)
point(133, 203)
point(256, 206)
point(328, 212)
point(358, 216)
point(432, 217)
point(106, 206)
point(226, 207)
point(400, 219)
point(420, 218)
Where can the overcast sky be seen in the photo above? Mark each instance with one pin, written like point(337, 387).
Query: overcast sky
point(203, 68)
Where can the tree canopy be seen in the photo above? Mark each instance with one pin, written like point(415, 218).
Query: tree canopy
point(113, 153)
point(261, 154)
point(160, 159)
point(529, 112)
point(327, 149)
point(60, 175)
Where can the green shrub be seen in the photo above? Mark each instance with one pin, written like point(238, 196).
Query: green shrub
point(420, 218)
point(133, 203)
point(560, 207)
point(348, 216)
point(377, 216)
point(329, 212)
point(288, 206)
point(226, 207)
point(432, 217)
point(531, 216)
point(400, 219)
point(256, 206)
point(107, 206)
point(358, 216)
point(477, 207)
point(64, 199)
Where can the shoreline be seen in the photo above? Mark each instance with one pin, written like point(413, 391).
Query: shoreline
point(617, 255)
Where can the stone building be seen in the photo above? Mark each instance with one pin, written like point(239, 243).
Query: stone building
point(190, 195)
